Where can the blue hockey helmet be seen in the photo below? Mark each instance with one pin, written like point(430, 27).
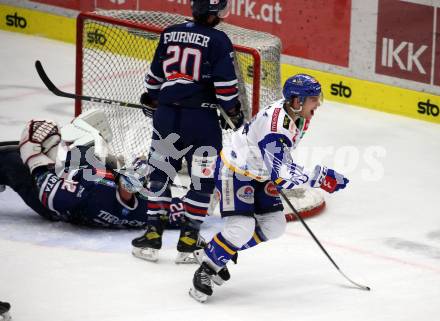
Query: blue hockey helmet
point(301, 86)
point(219, 8)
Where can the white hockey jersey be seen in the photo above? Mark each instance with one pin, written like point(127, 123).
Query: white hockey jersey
point(261, 148)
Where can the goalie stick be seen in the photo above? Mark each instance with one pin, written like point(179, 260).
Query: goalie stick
point(55, 90)
point(299, 218)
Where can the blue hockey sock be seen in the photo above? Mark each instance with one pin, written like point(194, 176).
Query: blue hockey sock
point(219, 250)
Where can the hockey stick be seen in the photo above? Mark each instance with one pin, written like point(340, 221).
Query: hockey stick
point(299, 218)
point(51, 86)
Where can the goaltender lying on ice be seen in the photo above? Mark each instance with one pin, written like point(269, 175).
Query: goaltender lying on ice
point(85, 188)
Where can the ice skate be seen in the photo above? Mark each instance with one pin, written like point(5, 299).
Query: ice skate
point(221, 277)
point(202, 283)
point(147, 246)
point(189, 241)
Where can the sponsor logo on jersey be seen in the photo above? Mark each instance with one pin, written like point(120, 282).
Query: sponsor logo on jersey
point(428, 108)
point(275, 115)
point(16, 21)
point(228, 194)
point(246, 194)
point(106, 217)
point(203, 166)
point(271, 190)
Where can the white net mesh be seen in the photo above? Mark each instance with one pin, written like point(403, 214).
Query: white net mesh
point(116, 50)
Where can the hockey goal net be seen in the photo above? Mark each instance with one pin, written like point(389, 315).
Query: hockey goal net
point(115, 49)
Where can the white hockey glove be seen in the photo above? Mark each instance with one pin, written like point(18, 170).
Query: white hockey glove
point(328, 179)
point(39, 138)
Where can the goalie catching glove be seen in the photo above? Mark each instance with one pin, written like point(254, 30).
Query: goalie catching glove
point(38, 138)
point(328, 179)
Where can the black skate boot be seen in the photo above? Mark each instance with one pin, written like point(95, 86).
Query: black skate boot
point(147, 246)
point(221, 277)
point(189, 241)
point(202, 284)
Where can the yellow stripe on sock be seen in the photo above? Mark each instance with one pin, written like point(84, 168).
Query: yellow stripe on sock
point(278, 180)
point(224, 246)
point(256, 238)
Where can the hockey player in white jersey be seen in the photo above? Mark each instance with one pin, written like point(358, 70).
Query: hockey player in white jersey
point(252, 169)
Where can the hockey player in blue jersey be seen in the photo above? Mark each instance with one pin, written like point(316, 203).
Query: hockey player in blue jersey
point(86, 190)
point(253, 167)
point(191, 75)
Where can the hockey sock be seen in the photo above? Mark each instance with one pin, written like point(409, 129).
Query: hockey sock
point(155, 220)
point(257, 238)
point(219, 251)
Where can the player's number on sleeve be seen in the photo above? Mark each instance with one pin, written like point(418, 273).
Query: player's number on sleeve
point(184, 56)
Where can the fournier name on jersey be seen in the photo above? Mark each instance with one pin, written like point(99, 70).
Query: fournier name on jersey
point(186, 37)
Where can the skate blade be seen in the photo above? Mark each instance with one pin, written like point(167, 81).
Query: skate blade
point(197, 295)
point(185, 258)
point(198, 256)
point(147, 254)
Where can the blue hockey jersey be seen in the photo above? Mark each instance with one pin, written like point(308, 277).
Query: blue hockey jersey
point(89, 196)
point(193, 67)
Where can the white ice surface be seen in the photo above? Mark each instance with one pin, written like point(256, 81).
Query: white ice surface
point(384, 233)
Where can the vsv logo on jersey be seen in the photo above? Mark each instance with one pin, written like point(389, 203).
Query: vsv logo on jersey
point(95, 37)
point(340, 90)
point(428, 108)
point(16, 21)
point(246, 194)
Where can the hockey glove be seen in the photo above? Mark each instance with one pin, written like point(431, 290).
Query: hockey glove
point(38, 138)
point(328, 179)
point(149, 103)
point(235, 115)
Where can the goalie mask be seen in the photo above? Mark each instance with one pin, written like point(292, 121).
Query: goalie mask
point(219, 8)
point(301, 86)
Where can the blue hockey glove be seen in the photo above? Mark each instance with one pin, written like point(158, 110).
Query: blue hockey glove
point(328, 179)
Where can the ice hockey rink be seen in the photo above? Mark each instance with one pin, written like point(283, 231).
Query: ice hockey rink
point(383, 230)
